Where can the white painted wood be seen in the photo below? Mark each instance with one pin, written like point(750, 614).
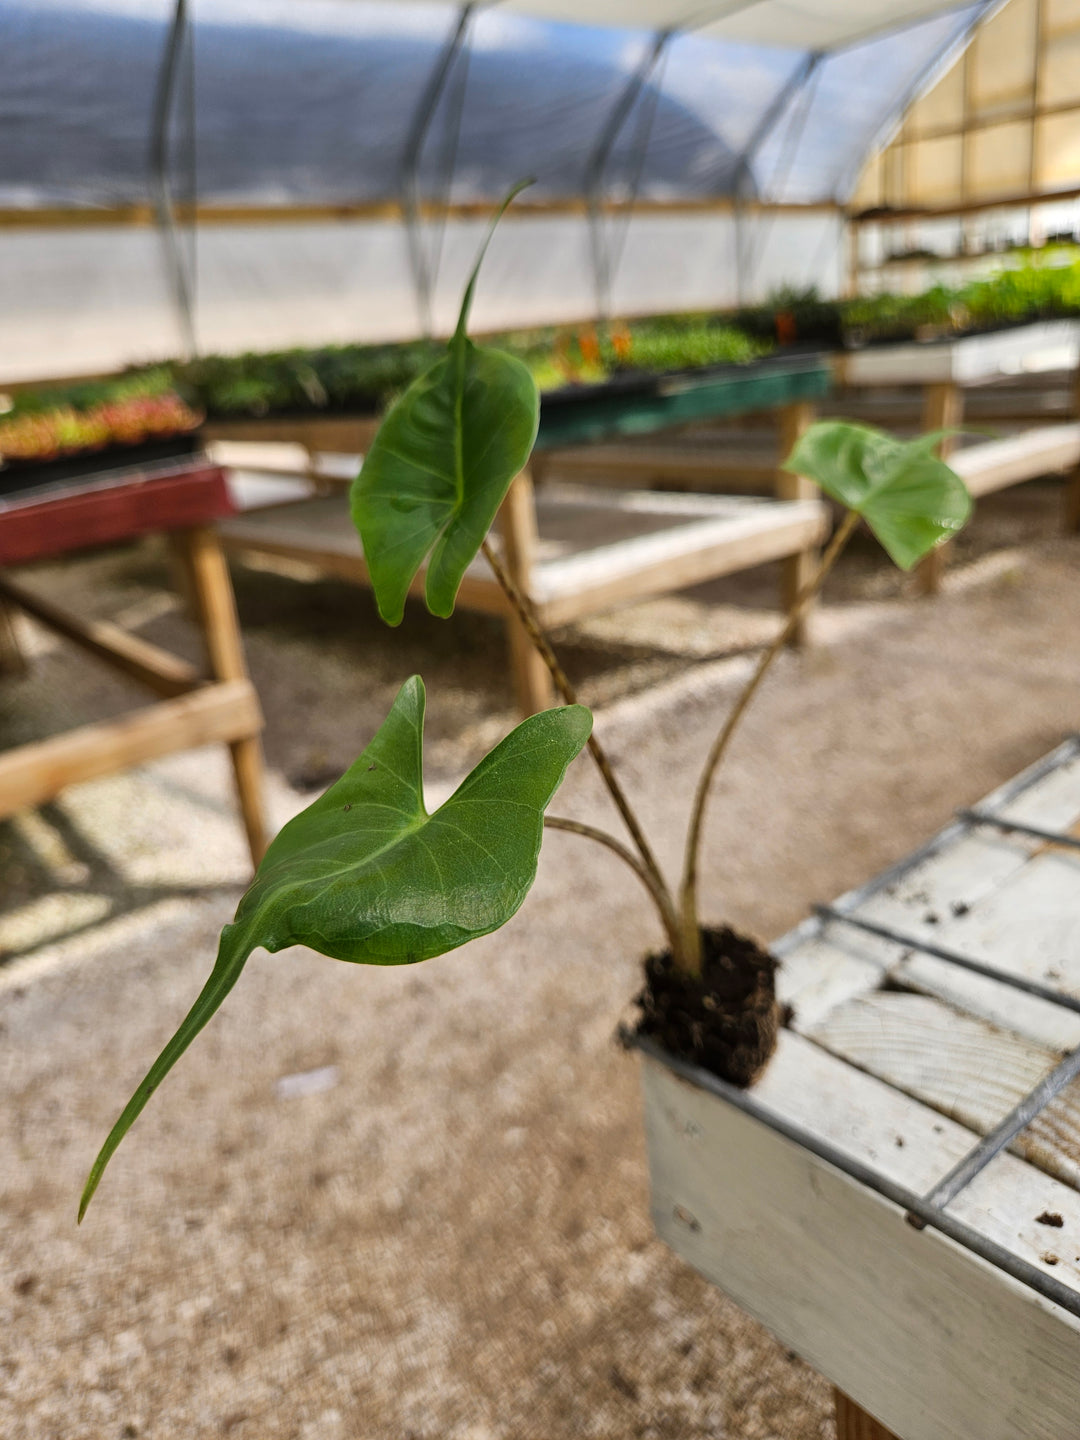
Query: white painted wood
point(1052, 802)
point(1029, 927)
point(677, 556)
point(996, 464)
point(922, 1334)
point(932, 1341)
point(595, 548)
point(972, 360)
point(959, 1065)
point(825, 970)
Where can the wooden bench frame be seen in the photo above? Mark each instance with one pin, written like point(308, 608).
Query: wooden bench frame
point(192, 710)
point(517, 525)
point(946, 370)
point(728, 534)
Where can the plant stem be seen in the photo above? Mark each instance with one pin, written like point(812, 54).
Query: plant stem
point(527, 615)
point(660, 896)
point(690, 949)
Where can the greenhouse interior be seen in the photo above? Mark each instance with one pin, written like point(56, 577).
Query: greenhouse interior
point(470, 470)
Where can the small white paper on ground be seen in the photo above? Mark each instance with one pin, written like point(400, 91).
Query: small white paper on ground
point(307, 1082)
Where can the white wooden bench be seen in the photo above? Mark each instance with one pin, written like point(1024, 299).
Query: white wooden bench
point(574, 550)
point(929, 1006)
point(947, 369)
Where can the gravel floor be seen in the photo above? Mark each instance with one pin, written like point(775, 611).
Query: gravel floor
point(450, 1238)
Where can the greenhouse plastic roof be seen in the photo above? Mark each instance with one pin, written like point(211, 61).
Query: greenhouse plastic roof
point(311, 103)
point(818, 25)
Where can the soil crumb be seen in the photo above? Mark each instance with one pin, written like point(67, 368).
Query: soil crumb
point(1050, 1217)
point(726, 1019)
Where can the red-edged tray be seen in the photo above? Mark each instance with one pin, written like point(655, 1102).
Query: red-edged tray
point(103, 509)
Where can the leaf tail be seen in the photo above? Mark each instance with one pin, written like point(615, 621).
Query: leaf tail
point(466, 303)
point(233, 953)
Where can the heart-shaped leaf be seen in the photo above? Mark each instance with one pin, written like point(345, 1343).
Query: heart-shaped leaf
point(366, 874)
point(911, 500)
point(440, 466)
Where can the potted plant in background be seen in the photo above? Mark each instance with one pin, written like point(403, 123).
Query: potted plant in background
point(365, 874)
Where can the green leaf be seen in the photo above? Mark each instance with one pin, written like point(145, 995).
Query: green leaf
point(440, 466)
point(911, 500)
point(366, 874)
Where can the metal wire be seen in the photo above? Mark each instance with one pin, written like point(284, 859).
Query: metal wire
point(984, 817)
point(931, 1216)
point(952, 957)
point(977, 1159)
point(180, 277)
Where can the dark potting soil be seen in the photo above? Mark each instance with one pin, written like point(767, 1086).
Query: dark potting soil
point(725, 1019)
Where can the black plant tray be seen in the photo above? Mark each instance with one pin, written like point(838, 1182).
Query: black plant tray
point(17, 476)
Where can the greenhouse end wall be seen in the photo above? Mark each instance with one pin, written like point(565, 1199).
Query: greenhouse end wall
point(90, 300)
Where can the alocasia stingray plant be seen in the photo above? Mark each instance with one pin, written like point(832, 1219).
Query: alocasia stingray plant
point(365, 873)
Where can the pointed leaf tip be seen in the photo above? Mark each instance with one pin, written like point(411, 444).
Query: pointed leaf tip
point(365, 874)
point(440, 467)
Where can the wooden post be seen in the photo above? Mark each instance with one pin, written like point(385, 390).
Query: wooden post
point(943, 409)
point(854, 1424)
point(1072, 480)
point(12, 660)
point(213, 595)
point(533, 686)
point(798, 570)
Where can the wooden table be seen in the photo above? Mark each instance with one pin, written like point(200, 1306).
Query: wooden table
point(581, 551)
point(182, 500)
point(897, 1198)
point(576, 551)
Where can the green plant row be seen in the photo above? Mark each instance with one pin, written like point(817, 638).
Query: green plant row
point(63, 430)
point(368, 378)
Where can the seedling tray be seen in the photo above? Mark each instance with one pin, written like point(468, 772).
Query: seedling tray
point(640, 405)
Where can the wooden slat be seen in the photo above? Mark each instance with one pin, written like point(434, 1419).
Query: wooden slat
point(978, 894)
point(943, 409)
point(960, 1065)
point(1029, 927)
point(692, 538)
point(1047, 345)
point(828, 969)
point(164, 673)
point(70, 217)
point(916, 1330)
point(320, 533)
point(672, 466)
point(533, 687)
point(12, 660)
point(578, 585)
point(32, 774)
point(348, 433)
point(800, 568)
point(1048, 450)
point(212, 595)
point(853, 1423)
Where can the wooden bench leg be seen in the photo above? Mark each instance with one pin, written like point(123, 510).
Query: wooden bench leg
point(216, 607)
point(1072, 503)
point(533, 688)
point(854, 1424)
point(798, 569)
point(943, 409)
point(12, 659)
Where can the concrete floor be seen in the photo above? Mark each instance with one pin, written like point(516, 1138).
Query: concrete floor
point(443, 1230)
